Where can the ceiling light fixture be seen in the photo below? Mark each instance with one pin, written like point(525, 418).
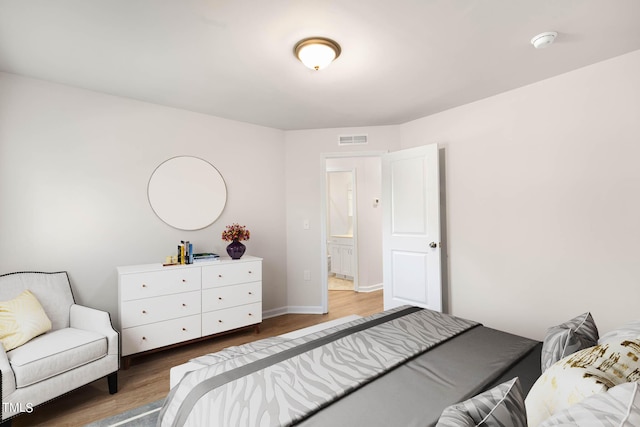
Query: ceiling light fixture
point(544, 39)
point(317, 52)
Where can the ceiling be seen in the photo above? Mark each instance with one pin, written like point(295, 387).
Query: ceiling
point(401, 59)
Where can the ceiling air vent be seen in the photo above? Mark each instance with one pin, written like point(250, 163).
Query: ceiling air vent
point(352, 139)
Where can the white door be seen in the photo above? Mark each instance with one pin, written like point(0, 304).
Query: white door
point(411, 228)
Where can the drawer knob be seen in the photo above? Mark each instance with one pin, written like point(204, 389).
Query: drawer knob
point(250, 293)
point(220, 298)
point(250, 272)
point(184, 329)
point(219, 275)
point(184, 280)
point(219, 321)
point(144, 286)
point(144, 311)
point(184, 305)
point(250, 314)
point(144, 338)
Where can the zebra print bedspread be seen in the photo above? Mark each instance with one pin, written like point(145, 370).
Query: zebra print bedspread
point(284, 383)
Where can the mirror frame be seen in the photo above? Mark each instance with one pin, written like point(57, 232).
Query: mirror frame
point(187, 193)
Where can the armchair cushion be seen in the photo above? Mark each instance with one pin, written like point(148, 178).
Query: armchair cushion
point(54, 353)
point(22, 319)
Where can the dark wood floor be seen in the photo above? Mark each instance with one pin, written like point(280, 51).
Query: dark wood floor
point(147, 380)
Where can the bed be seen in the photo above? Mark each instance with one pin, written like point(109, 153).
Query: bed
point(176, 373)
point(400, 367)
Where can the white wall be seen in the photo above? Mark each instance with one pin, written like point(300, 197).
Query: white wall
point(541, 193)
point(304, 170)
point(74, 167)
point(543, 199)
point(339, 210)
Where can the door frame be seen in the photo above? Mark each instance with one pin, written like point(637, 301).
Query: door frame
point(324, 267)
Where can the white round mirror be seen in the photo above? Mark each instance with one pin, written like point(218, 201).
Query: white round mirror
point(187, 193)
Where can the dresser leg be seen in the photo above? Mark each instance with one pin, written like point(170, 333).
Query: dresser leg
point(257, 328)
point(125, 362)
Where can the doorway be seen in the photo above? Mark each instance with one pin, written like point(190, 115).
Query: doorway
point(341, 227)
point(351, 221)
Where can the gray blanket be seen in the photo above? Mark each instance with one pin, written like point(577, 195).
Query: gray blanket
point(285, 383)
point(415, 393)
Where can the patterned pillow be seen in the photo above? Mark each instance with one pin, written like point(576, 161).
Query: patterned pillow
point(503, 405)
point(619, 407)
point(628, 331)
point(21, 319)
point(582, 374)
point(567, 338)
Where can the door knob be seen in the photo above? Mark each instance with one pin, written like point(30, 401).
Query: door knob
point(433, 245)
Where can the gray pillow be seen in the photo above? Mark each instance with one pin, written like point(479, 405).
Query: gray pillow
point(565, 339)
point(503, 405)
point(619, 407)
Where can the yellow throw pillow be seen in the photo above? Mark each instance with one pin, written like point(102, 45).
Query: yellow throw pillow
point(21, 319)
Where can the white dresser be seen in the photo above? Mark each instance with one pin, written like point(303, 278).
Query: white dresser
point(162, 306)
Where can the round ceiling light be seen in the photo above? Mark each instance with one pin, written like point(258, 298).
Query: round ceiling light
point(317, 52)
point(544, 39)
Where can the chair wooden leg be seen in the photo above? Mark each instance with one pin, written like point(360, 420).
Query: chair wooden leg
point(112, 379)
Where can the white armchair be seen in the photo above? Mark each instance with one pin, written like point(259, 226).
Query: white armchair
point(81, 346)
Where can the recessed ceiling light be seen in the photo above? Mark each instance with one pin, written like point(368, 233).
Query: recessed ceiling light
point(544, 39)
point(317, 52)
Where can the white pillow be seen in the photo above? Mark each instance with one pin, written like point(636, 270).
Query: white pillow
point(630, 330)
point(618, 407)
point(580, 375)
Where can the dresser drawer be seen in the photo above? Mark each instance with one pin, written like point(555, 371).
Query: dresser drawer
point(156, 283)
point(154, 335)
point(230, 296)
point(155, 309)
point(231, 318)
point(231, 273)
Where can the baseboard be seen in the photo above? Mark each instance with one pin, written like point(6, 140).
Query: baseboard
point(296, 309)
point(304, 309)
point(371, 288)
point(274, 312)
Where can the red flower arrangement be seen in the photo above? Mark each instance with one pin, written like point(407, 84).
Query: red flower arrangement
point(235, 232)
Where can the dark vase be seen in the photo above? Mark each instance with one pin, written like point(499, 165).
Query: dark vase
point(236, 249)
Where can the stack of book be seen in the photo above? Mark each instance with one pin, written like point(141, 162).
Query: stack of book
point(185, 252)
point(205, 256)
